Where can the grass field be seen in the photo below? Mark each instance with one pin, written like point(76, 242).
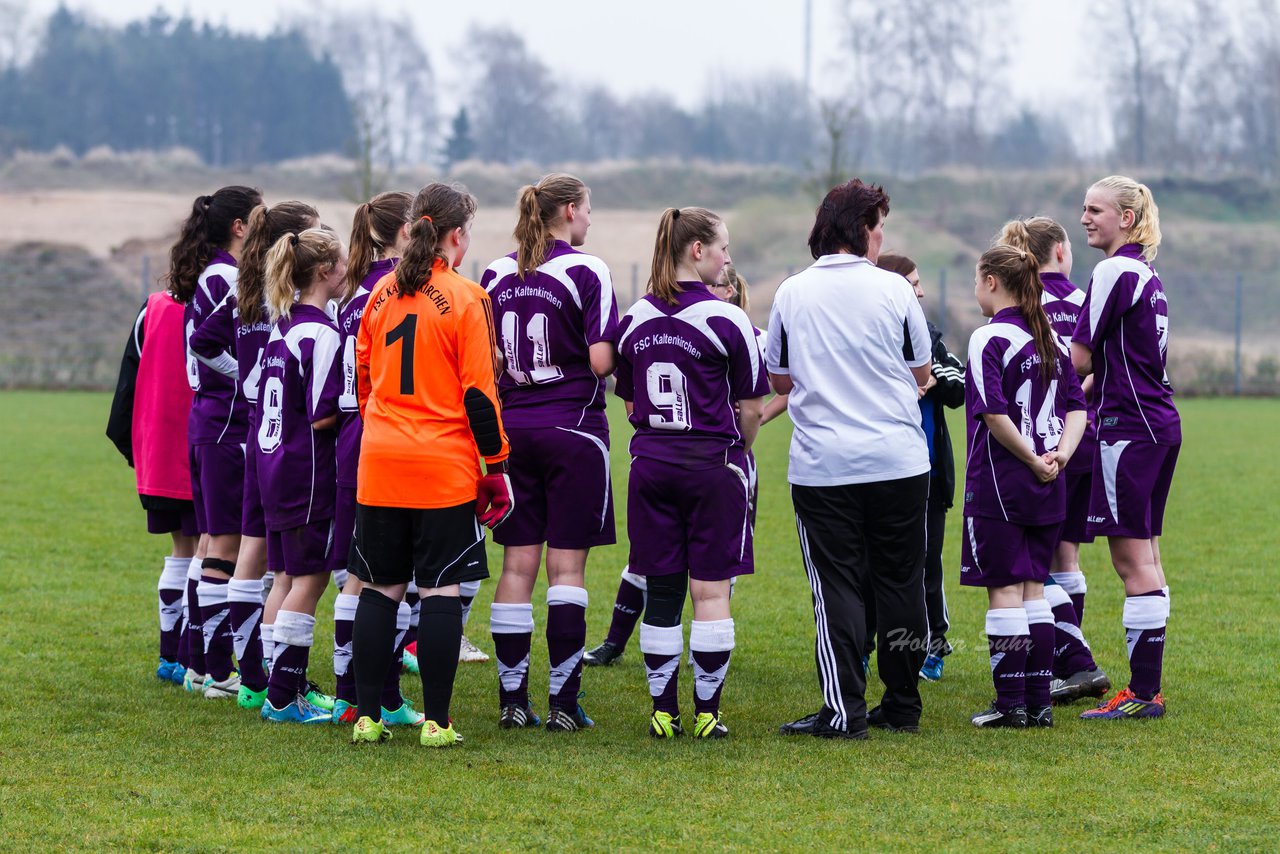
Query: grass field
point(95, 753)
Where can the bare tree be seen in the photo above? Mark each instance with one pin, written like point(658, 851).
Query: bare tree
point(517, 112)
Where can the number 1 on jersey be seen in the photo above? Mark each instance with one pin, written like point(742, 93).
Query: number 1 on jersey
point(405, 331)
point(542, 371)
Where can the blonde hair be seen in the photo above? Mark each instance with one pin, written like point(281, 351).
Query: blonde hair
point(1037, 235)
point(731, 277)
point(677, 229)
point(1019, 274)
point(1129, 195)
point(293, 264)
point(540, 205)
point(373, 232)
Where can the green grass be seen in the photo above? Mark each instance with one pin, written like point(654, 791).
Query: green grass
point(96, 753)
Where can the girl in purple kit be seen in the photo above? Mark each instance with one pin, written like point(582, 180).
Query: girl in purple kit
point(1122, 338)
point(202, 272)
point(556, 319)
point(1075, 673)
point(239, 327)
point(685, 358)
point(379, 235)
point(1025, 414)
point(295, 446)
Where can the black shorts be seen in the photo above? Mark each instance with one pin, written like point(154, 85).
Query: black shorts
point(434, 548)
point(170, 515)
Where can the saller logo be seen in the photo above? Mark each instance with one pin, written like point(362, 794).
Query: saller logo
point(1097, 520)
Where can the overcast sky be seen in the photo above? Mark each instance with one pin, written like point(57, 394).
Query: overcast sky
point(670, 45)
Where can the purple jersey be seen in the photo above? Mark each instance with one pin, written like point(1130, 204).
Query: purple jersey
point(301, 381)
point(350, 427)
point(219, 412)
point(683, 366)
point(546, 324)
point(1003, 377)
point(1125, 322)
point(251, 346)
point(1062, 301)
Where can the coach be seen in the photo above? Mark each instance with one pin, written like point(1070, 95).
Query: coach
point(859, 467)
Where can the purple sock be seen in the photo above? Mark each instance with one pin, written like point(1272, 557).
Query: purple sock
point(195, 631)
point(169, 592)
point(1145, 618)
point(627, 609)
point(566, 642)
point(1073, 584)
point(711, 643)
point(219, 648)
point(391, 698)
point(662, 646)
point(184, 644)
point(244, 606)
point(1071, 652)
point(294, 634)
point(1009, 640)
point(344, 615)
point(512, 628)
point(1040, 655)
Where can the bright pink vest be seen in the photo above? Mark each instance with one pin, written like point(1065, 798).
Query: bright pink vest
point(162, 403)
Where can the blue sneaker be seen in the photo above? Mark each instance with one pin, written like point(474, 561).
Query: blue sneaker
point(931, 670)
point(171, 671)
point(866, 666)
point(297, 712)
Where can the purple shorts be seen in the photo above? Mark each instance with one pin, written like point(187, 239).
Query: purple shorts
point(217, 487)
point(252, 521)
point(344, 527)
point(689, 520)
point(303, 550)
point(170, 515)
point(997, 553)
point(562, 490)
point(1075, 528)
point(1131, 482)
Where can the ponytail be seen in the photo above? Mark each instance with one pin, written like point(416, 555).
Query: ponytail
point(1128, 194)
point(1037, 235)
point(266, 227)
point(293, 264)
point(678, 228)
point(437, 210)
point(206, 230)
point(539, 205)
point(373, 234)
point(1019, 272)
point(731, 277)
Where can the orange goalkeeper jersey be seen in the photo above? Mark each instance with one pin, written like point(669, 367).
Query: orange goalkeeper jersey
point(416, 356)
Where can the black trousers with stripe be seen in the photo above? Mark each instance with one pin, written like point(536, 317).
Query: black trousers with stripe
point(865, 543)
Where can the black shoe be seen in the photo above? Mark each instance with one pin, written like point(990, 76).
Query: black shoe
point(1086, 683)
point(1042, 717)
point(804, 726)
point(876, 718)
point(822, 729)
point(993, 717)
point(605, 654)
point(518, 717)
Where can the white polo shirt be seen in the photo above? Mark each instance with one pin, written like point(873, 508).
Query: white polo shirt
point(839, 329)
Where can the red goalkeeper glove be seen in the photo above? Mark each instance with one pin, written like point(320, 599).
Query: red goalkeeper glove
point(494, 501)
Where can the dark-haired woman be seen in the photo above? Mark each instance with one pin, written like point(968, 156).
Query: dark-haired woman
point(556, 317)
point(202, 273)
point(859, 467)
point(426, 368)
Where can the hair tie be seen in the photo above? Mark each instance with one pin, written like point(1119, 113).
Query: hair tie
point(675, 213)
point(293, 240)
point(428, 219)
point(206, 201)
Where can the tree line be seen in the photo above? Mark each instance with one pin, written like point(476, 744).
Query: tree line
point(1191, 86)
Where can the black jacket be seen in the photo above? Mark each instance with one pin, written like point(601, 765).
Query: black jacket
point(949, 392)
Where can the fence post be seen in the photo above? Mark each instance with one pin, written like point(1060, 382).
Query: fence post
point(1239, 331)
point(635, 283)
point(146, 277)
point(942, 301)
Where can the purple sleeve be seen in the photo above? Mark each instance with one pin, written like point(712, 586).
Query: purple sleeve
point(1104, 303)
point(487, 277)
point(1070, 394)
point(623, 387)
point(599, 307)
point(746, 369)
point(216, 335)
point(323, 375)
point(984, 378)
